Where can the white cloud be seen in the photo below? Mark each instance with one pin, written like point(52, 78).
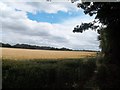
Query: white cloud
point(17, 28)
point(85, 40)
point(47, 7)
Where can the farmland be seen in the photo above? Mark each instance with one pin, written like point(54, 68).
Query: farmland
point(27, 54)
point(54, 70)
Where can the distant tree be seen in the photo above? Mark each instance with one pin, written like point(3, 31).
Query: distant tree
point(27, 46)
point(5, 45)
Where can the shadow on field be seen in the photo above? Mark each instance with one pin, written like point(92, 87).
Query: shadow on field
point(49, 74)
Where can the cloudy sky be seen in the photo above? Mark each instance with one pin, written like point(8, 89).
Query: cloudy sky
point(45, 24)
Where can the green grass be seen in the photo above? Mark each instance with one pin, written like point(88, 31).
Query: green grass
point(50, 74)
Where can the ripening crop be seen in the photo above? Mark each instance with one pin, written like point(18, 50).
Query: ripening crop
point(27, 54)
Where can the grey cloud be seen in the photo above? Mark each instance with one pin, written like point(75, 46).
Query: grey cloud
point(11, 29)
point(13, 25)
point(22, 30)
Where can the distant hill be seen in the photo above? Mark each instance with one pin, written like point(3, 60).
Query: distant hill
point(27, 46)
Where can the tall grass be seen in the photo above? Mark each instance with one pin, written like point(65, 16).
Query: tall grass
point(49, 74)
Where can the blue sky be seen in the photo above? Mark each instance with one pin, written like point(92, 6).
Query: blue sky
point(58, 17)
point(46, 24)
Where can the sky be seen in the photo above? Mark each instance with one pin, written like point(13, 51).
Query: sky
point(45, 24)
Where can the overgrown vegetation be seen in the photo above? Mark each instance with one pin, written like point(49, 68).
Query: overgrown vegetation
point(49, 74)
point(107, 23)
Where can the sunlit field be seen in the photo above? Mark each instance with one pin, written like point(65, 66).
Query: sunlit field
point(27, 54)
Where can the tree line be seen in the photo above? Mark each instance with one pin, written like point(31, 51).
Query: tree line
point(27, 46)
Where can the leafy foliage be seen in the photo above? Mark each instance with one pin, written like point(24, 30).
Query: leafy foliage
point(49, 74)
point(108, 15)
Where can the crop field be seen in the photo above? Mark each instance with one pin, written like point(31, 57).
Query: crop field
point(27, 68)
point(27, 54)
point(54, 70)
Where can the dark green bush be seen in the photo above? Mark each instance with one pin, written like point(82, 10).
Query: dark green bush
point(108, 77)
point(53, 74)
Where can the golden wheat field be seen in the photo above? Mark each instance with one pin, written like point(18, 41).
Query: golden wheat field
point(27, 54)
